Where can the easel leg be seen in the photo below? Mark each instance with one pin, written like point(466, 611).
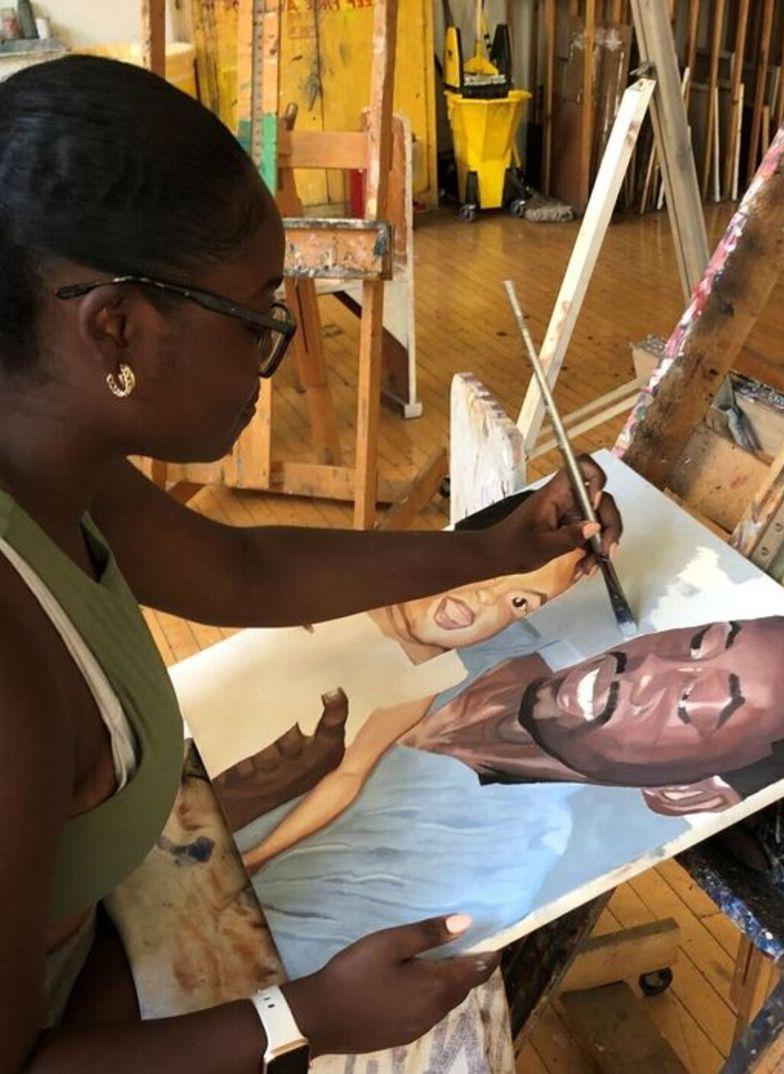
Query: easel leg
point(368, 404)
point(312, 370)
point(755, 978)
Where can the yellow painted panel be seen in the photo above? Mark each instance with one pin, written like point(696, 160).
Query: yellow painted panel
point(325, 70)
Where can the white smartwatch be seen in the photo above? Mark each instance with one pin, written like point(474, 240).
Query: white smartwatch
point(287, 1051)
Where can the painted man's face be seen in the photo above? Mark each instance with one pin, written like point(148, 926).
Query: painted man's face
point(684, 704)
point(476, 612)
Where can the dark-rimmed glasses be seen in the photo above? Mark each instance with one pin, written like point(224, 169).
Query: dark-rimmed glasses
point(275, 328)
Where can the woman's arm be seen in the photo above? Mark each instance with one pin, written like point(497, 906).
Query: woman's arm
point(337, 790)
point(184, 563)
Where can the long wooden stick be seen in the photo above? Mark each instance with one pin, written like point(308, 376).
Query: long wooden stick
point(734, 290)
point(691, 39)
point(382, 83)
point(549, 65)
point(586, 115)
point(737, 78)
point(153, 36)
point(759, 90)
point(716, 145)
point(656, 45)
point(596, 220)
point(780, 106)
point(738, 131)
point(718, 29)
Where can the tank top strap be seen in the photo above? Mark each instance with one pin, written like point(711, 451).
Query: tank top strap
point(121, 736)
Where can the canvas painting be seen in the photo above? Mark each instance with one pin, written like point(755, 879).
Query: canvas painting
point(499, 750)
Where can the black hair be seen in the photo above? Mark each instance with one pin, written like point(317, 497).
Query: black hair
point(105, 164)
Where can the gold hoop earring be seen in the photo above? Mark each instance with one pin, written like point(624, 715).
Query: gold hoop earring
point(123, 384)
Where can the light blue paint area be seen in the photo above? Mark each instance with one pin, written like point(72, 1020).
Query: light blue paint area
point(424, 838)
point(611, 827)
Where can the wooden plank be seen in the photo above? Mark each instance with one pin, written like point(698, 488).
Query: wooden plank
point(372, 321)
point(692, 30)
point(587, 104)
point(403, 514)
point(708, 338)
point(619, 1033)
point(585, 253)
point(258, 83)
point(673, 142)
point(266, 81)
point(587, 424)
point(716, 39)
point(763, 55)
point(780, 103)
point(735, 91)
point(153, 36)
point(323, 149)
point(207, 45)
point(549, 63)
point(630, 387)
point(623, 955)
point(338, 249)
point(755, 978)
point(245, 60)
point(738, 133)
point(328, 482)
point(369, 402)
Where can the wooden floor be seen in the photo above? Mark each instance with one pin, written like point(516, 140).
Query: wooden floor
point(464, 325)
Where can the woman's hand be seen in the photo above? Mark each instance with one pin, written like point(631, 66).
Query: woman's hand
point(549, 523)
point(377, 994)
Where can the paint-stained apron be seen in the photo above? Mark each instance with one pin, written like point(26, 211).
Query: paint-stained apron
point(196, 937)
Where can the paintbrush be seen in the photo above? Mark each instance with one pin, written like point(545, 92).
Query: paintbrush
point(623, 613)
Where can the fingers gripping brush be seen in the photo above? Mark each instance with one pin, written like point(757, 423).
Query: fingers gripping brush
point(623, 614)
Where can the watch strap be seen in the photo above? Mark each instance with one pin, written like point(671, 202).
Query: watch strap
point(280, 1027)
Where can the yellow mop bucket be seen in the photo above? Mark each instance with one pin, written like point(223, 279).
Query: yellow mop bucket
point(483, 132)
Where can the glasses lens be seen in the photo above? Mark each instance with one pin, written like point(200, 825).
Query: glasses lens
point(273, 342)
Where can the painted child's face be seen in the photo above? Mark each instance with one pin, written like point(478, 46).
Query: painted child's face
point(476, 612)
point(688, 703)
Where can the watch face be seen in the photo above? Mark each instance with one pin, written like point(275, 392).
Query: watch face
point(296, 1061)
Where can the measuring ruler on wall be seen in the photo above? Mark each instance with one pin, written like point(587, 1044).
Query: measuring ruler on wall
point(258, 84)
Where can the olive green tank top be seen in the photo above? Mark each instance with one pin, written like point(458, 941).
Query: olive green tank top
point(99, 848)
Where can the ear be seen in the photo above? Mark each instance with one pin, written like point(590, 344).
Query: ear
point(103, 321)
point(118, 322)
point(710, 795)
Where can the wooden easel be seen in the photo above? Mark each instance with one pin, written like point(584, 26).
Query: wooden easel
point(345, 249)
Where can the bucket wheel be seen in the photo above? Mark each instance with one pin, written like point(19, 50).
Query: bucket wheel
point(470, 206)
